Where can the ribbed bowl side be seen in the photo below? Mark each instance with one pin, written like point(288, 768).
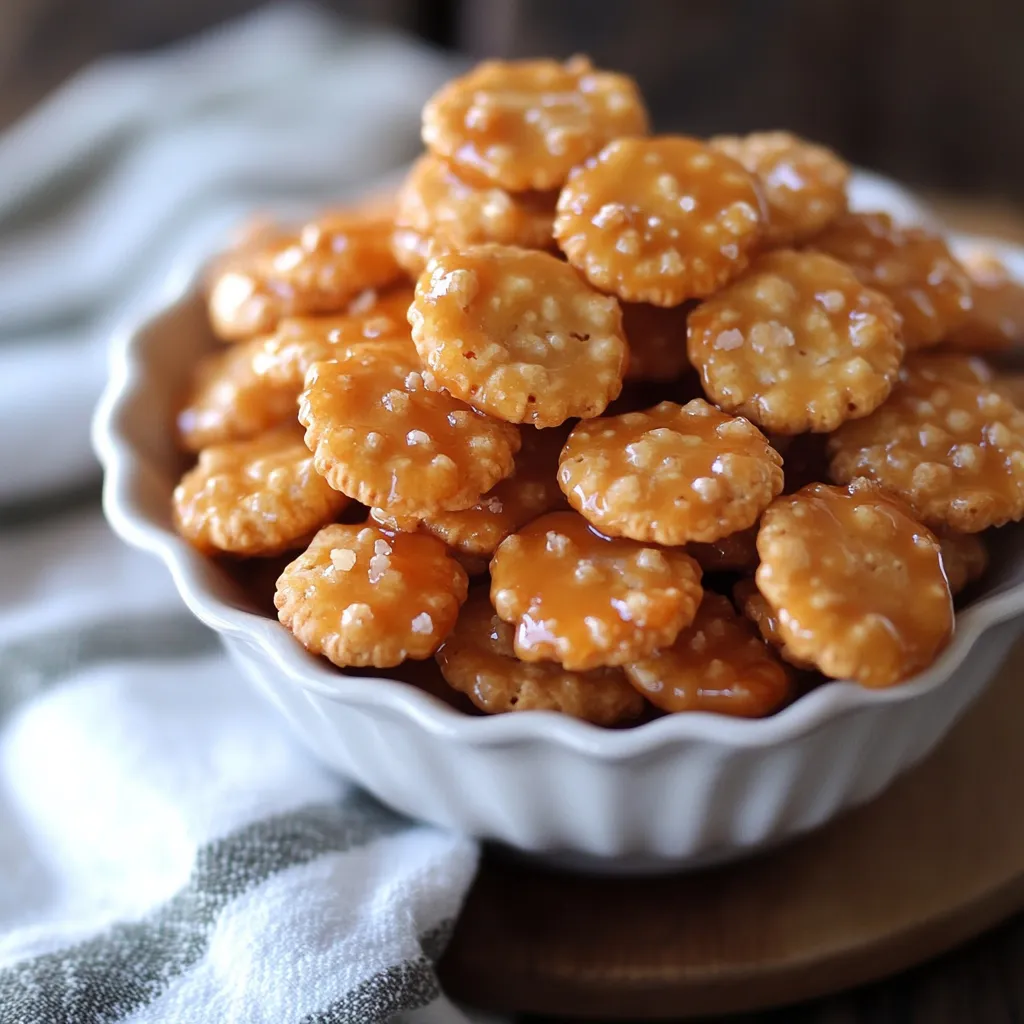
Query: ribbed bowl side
point(680, 806)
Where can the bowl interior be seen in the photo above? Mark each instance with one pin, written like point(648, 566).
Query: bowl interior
point(174, 339)
point(134, 435)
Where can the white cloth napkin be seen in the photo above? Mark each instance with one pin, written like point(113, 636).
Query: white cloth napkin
point(140, 162)
point(167, 853)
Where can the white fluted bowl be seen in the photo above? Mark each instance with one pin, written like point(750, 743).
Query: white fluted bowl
point(678, 791)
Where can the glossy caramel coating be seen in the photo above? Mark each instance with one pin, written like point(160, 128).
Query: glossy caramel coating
point(478, 659)
point(560, 254)
point(718, 663)
point(361, 596)
point(952, 449)
point(996, 321)
point(659, 220)
point(856, 583)
point(751, 603)
point(299, 342)
point(796, 344)
point(670, 475)
point(255, 498)
point(656, 338)
point(804, 185)
point(964, 557)
point(437, 206)
point(230, 400)
point(523, 124)
point(379, 436)
point(317, 269)
point(913, 267)
point(585, 600)
point(529, 492)
point(517, 334)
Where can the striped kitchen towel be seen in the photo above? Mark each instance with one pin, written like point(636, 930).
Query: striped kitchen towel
point(167, 853)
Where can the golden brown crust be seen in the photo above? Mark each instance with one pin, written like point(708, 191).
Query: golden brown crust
point(299, 342)
point(718, 663)
point(659, 220)
point(362, 596)
point(913, 267)
point(478, 660)
point(473, 534)
point(516, 333)
point(230, 400)
point(996, 321)
point(317, 269)
point(585, 600)
point(670, 475)
point(855, 582)
point(513, 333)
point(256, 498)
point(796, 344)
point(952, 449)
point(804, 184)
point(435, 205)
point(523, 124)
point(379, 436)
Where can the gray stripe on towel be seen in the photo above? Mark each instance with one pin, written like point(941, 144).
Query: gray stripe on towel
point(55, 504)
point(30, 665)
point(108, 977)
point(399, 988)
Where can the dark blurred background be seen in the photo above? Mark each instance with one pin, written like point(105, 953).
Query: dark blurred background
point(930, 91)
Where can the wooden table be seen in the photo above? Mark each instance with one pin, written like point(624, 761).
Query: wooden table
point(932, 863)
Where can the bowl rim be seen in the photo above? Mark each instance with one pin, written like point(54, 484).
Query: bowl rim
point(125, 478)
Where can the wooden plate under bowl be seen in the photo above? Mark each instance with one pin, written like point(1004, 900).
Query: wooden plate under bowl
point(934, 861)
